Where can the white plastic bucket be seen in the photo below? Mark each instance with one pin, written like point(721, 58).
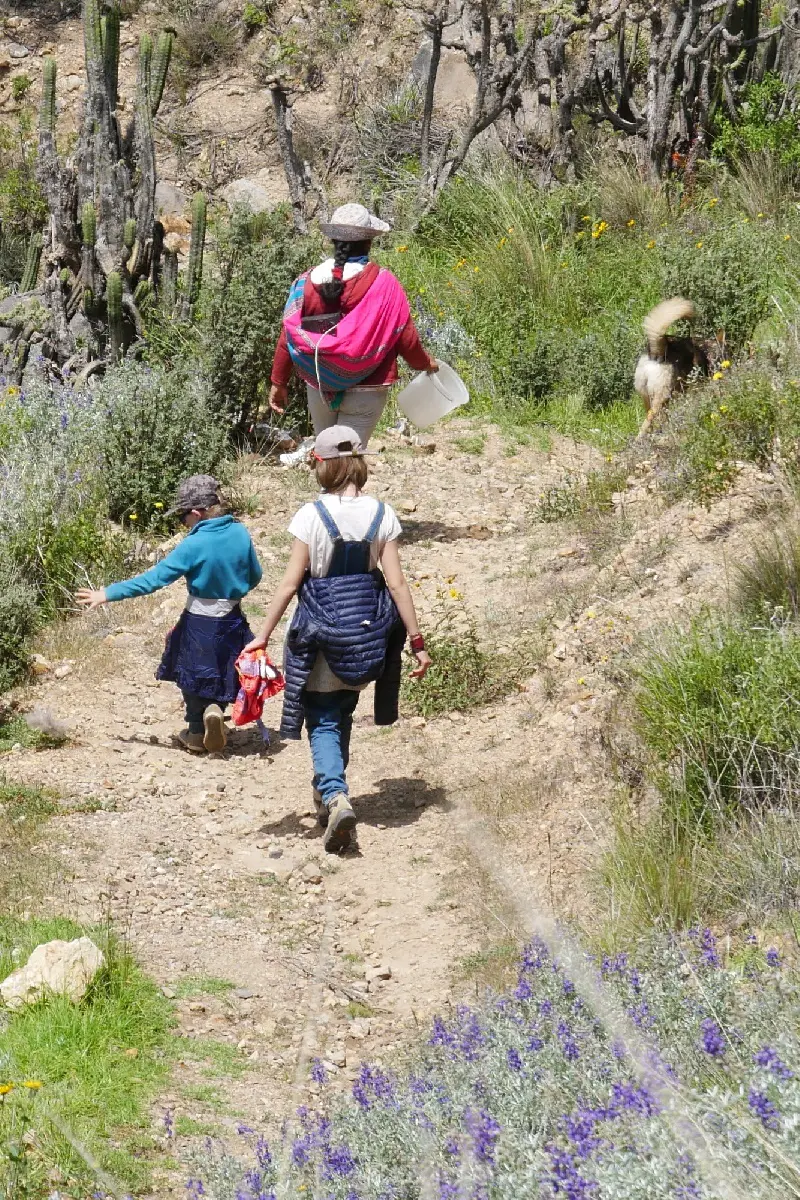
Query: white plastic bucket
point(428, 398)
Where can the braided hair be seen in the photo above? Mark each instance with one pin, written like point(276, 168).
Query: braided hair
point(332, 290)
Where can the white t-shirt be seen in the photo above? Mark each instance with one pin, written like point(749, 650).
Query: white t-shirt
point(353, 516)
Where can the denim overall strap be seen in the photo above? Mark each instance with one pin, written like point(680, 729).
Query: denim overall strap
point(350, 558)
point(372, 532)
point(328, 521)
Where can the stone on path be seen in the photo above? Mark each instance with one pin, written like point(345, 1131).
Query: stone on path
point(59, 968)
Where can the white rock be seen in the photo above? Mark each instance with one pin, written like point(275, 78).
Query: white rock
point(560, 652)
point(63, 671)
point(249, 194)
point(58, 967)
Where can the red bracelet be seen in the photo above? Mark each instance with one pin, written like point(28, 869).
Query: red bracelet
point(417, 643)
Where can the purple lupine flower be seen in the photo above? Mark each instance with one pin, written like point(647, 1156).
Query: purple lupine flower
point(762, 1107)
point(568, 987)
point(535, 1042)
point(581, 1129)
point(712, 1040)
point(635, 980)
point(318, 1072)
point(565, 1178)
point(614, 966)
point(452, 1148)
point(769, 1058)
point(523, 990)
point(169, 1124)
point(195, 1188)
point(773, 957)
point(484, 1131)
point(514, 1060)
point(641, 1015)
point(618, 1049)
point(262, 1153)
point(566, 1037)
point(448, 1189)
point(338, 1160)
point(546, 1007)
point(708, 949)
point(631, 1097)
point(534, 956)
point(687, 1186)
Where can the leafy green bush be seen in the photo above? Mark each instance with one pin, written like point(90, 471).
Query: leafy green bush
point(22, 205)
point(745, 417)
point(158, 426)
point(600, 365)
point(766, 121)
point(255, 16)
point(717, 710)
point(258, 260)
point(19, 617)
point(727, 270)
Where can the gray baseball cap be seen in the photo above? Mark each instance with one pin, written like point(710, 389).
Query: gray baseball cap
point(338, 441)
point(198, 491)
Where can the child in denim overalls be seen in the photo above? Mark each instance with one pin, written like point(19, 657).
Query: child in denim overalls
point(339, 543)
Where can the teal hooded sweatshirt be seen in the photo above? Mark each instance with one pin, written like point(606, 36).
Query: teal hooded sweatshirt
point(217, 557)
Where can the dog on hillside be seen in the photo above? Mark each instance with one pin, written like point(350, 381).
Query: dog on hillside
point(668, 361)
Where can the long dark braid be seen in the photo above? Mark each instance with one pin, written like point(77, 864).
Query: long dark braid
point(332, 290)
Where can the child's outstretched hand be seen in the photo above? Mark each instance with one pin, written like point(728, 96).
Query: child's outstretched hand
point(89, 599)
point(423, 662)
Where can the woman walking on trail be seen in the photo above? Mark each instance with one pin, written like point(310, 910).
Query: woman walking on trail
point(219, 561)
point(351, 621)
point(344, 324)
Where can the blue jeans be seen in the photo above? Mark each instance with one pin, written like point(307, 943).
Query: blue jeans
point(329, 721)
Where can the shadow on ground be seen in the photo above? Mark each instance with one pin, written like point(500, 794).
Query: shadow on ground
point(393, 803)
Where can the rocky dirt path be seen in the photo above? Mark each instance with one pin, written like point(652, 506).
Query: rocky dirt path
point(272, 950)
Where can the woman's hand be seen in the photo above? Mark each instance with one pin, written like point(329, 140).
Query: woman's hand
point(433, 368)
point(278, 397)
point(258, 643)
point(423, 662)
point(89, 599)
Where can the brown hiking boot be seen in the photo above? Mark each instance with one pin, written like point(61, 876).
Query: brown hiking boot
point(341, 823)
point(215, 738)
point(192, 741)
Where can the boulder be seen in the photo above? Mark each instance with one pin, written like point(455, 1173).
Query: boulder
point(170, 200)
point(58, 968)
point(248, 193)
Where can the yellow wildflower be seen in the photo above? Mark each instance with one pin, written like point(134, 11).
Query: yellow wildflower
point(32, 1084)
point(590, 614)
point(581, 233)
point(699, 245)
point(564, 266)
point(787, 237)
point(476, 270)
point(5, 1088)
point(631, 223)
point(650, 245)
point(158, 504)
point(455, 594)
point(582, 681)
point(714, 200)
point(11, 390)
point(511, 229)
point(134, 517)
point(726, 362)
point(713, 416)
point(421, 292)
point(502, 243)
point(717, 375)
point(402, 249)
point(723, 408)
point(586, 218)
point(760, 216)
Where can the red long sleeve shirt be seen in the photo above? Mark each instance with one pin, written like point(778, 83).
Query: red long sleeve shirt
point(408, 345)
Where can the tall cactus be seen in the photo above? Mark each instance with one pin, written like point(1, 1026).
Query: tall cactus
point(102, 236)
point(158, 72)
point(88, 238)
point(109, 33)
point(88, 224)
point(47, 110)
point(169, 279)
point(114, 310)
point(194, 274)
point(34, 258)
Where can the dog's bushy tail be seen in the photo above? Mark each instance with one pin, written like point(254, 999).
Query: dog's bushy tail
point(659, 319)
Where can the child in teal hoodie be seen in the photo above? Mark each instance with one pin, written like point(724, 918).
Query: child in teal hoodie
point(218, 560)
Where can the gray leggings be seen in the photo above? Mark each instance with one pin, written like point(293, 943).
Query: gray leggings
point(361, 409)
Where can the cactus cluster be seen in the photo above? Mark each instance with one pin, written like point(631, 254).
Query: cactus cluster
point(110, 259)
point(34, 258)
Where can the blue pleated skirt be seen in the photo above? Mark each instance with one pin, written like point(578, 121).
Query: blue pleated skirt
point(201, 652)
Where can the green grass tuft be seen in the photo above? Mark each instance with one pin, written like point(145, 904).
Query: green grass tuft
point(100, 1062)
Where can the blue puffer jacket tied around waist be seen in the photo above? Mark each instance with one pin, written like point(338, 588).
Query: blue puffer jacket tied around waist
point(353, 621)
